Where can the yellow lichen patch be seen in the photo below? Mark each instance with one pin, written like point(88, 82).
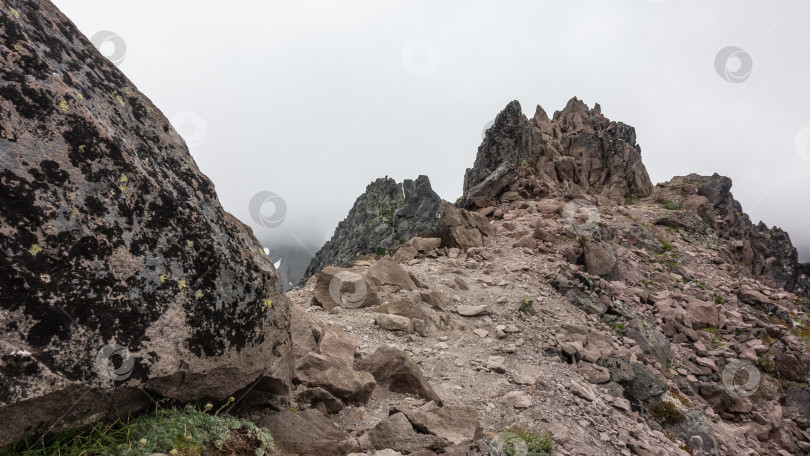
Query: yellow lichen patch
point(126, 91)
point(6, 134)
point(122, 187)
point(15, 13)
point(267, 304)
point(123, 178)
point(198, 294)
point(162, 278)
point(120, 100)
point(18, 48)
point(189, 243)
point(74, 213)
point(63, 105)
point(81, 148)
point(34, 249)
point(181, 284)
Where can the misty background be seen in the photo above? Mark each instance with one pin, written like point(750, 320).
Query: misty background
point(310, 101)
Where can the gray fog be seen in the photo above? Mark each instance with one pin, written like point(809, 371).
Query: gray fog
point(309, 101)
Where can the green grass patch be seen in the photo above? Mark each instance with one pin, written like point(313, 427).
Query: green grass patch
point(666, 246)
point(186, 432)
point(527, 306)
point(537, 443)
point(670, 205)
point(630, 199)
point(667, 413)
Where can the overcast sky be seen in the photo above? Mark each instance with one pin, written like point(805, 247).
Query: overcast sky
point(312, 100)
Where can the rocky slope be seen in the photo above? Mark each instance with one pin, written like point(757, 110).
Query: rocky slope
point(620, 319)
point(563, 302)
point(121, 274)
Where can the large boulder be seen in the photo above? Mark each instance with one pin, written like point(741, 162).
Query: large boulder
point(395, 370)
point(307, 433)
point(536, 157)
point(120, 269)
point(389, 214)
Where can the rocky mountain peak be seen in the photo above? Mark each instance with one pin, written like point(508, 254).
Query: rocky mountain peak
point(578, 150)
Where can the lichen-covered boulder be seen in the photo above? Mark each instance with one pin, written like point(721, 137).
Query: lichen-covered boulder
point(121, 277)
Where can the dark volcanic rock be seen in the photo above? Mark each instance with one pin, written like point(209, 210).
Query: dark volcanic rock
point(536, 157)
point(111, 235)
point(389, 214)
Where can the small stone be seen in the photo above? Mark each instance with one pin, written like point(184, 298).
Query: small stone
point(495, 364)
point(481, 332)
point(516, 399)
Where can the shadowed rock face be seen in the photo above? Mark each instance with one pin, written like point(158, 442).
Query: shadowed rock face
point(111, 235)
point(386, 215)
point(536, 157)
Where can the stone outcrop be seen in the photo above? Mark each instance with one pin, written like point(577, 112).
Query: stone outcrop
point(767, 253)
point(389, 214)
point(534, 158)
point(120, 269)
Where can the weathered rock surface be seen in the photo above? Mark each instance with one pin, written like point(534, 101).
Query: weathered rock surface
point(395, 370)
point(766, 252)
point(389, 214)
point(397, 433)
point(532, 158)
point(111, 236)
point(308, 433)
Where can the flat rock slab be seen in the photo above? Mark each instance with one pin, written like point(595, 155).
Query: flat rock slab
point(472, 311)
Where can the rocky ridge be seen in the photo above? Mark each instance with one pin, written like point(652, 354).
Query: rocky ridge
point(564, 298)
point(620, 319)
point(388, 214)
